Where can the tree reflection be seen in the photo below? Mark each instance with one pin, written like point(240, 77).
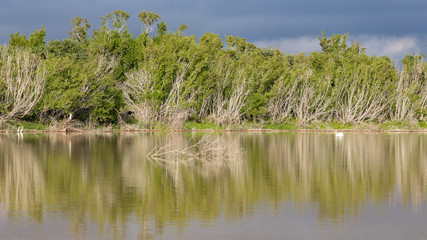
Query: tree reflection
point(107, 179)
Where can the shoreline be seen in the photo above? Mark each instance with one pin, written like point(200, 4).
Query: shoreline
point(192, 126)
point(92, 131)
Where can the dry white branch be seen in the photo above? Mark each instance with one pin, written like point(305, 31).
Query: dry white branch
point(105, 67)
point(411, 93)
point(312, 101)
point(361, 98)
point(23, 76)
point(174, 110)
point(227, 107)
point(281, 105)
point(206, 149)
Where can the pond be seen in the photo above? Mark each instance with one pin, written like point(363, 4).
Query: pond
point(203, 185)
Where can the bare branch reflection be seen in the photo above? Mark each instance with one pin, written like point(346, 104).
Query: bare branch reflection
point(107, 179)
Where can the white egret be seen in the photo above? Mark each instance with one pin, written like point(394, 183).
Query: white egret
point(339, 134)
point(19, 132)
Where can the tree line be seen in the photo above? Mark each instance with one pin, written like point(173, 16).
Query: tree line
point(166, 76)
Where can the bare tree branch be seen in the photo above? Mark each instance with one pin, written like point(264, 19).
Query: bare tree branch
point(24, 77)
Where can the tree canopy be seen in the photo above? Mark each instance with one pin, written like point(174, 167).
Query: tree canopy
point(166, 76)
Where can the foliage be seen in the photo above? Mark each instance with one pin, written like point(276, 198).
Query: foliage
point(148, 19)
point(80, 27)
point(168, 78)
point(86, 89)
point(35, 42)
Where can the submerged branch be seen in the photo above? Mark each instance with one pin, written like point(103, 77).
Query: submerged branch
point(206, 149)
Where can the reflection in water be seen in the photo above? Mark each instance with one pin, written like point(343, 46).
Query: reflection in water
point(108, 180)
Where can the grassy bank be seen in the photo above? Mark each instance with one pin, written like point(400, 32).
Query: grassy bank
point(210, 126)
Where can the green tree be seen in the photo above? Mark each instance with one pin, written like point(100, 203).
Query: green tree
point(85, 88)
point(18, 40)
point(79, 31)
point(35, 41)
point(148, 19)
point(116, 41)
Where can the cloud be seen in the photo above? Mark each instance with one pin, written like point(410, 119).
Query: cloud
point(394, 47)
point(292, 45)
point(261, 22)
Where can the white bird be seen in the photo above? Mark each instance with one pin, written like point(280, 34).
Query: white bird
point(19, 132)
point(67, 122)
point(339, 134)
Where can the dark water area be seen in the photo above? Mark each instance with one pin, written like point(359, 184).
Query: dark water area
point(213, 186)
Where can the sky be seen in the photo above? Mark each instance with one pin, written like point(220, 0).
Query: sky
point(384, 27)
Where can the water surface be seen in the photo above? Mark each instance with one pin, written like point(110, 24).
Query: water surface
point(213, 186)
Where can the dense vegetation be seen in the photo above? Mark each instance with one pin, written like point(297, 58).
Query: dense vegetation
point(167, 77)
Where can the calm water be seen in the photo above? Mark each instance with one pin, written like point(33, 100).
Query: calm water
point(213, 186)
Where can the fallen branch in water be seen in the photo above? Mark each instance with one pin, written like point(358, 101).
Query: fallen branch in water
point(206, 149)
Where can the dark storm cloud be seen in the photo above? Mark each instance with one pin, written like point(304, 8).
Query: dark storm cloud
point(285, 18)
point(267, 20)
